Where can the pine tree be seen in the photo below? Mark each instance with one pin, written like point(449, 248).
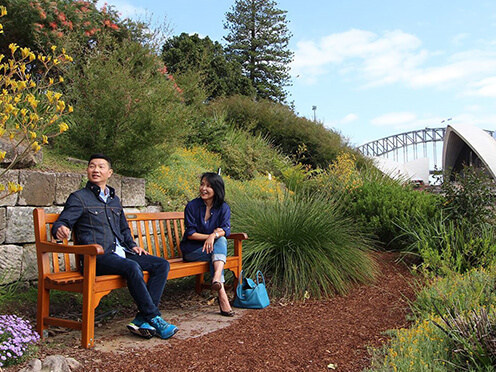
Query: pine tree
point(258, 38)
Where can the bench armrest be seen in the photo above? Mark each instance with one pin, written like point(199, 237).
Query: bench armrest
point(238, 236)
point(238, 242)
point(49, 247)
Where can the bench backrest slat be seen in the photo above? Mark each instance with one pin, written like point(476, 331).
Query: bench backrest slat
point(159, 233)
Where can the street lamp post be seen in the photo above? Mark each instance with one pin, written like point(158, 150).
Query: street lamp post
point(314, 108)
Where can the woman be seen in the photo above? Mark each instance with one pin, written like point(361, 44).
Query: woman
point(207, 223)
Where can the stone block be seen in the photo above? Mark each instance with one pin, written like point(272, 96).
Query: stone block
point(38, 188)
point(66, 184)
point(10, 263)
point(152, 209)
point(29, 266)
point(19, 225)
point(3, 224)
point(10, 176)
point(133, 192)
point(115, 181)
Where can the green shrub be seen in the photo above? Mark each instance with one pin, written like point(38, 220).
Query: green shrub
point(469, 196)
point(245, 156)
point(454, 331)
point(445, 245)
point(126, 106)
point(384, 207)
point(280, 125)
point(421, 348)
point(176, 182)
point(303, 245)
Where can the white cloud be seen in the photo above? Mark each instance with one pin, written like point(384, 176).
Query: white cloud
point(349, 118)
point(485, 87)
point(392, 57)
point(394, 119)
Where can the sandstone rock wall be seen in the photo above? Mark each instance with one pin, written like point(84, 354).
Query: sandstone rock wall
point(50, 191)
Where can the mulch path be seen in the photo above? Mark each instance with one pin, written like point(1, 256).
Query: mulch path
point(308, 335)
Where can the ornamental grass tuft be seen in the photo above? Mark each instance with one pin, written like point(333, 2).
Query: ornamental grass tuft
point(16, 338)
point(303, 245)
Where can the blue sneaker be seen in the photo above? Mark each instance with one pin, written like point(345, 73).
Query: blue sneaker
point(140, 327)
point(163, 329)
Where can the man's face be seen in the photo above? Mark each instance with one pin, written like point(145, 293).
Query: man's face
point(99, 172)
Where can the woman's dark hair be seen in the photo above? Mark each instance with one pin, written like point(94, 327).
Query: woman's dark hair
point(217, 184)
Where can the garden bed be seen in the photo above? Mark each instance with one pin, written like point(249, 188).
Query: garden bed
point(313, 335)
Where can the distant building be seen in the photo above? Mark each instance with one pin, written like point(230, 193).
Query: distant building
point(466, 144)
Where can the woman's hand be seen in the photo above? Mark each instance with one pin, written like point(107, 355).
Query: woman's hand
point(208, 246)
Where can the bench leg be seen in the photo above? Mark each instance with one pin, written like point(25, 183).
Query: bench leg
point(199, 283)
point(88, 326)
point(43, 308)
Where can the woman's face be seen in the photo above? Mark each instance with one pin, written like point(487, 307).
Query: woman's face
point(206, 191)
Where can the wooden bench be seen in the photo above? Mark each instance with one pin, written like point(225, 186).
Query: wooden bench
point(59, 265)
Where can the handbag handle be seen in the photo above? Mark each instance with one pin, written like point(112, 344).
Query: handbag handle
point(259, 273)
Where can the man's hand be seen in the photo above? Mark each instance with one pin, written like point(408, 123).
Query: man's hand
point(140, 251)
point(63, 232)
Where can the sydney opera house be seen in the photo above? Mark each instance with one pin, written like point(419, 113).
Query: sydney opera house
point(463, 144)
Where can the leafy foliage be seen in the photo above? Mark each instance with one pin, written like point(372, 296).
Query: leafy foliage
point(303, 245)
point(219, 75)
point(39, 24)
point(469, 197)
point(31, 108)
point(259, 39)
point(125, 106)
point(281, 126)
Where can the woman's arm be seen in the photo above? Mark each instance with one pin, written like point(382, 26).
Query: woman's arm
point(209, 239)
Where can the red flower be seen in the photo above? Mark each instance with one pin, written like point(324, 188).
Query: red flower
point(53, 25)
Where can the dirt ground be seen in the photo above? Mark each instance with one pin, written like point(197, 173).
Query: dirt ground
point(313, 335)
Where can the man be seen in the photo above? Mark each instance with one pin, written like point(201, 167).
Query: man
point(96, 216)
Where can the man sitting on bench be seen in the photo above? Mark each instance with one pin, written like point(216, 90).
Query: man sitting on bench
point(96, 216)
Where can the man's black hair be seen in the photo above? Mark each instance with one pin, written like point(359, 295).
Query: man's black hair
point(101, 156)
point(217, 184)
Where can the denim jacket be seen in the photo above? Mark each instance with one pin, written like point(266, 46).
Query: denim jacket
point(95, 222)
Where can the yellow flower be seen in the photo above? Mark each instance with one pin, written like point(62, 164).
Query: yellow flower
point(3, 11)
point(45, 139)
point(63, 127)
point(53, 48)
point(32, 135)
point(71, 109)
point(61, 79)
point(35, 146)
point(14, 187)
point(13, 47)
point(25, 52)
point(2, 155)
point(60, 106)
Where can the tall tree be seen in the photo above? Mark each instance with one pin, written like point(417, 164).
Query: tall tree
point(258, 38)
point(219, 75)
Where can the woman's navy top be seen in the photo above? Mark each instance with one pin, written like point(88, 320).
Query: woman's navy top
point(194, 221)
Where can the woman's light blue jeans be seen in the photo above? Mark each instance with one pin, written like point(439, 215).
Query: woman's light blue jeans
point(219, 253)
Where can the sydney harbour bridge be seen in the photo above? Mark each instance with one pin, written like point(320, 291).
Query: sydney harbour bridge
point(408, 146)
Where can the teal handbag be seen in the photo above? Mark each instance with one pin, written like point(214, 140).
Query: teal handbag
point(250, 295)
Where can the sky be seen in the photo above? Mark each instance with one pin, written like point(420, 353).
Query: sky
point(371, 68)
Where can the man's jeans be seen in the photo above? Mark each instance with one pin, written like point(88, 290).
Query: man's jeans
point(219, 253)
point(146, 295)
